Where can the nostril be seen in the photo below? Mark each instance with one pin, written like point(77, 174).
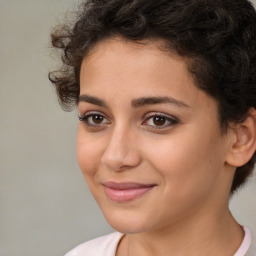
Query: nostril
point(117, 160)
point(120, 153)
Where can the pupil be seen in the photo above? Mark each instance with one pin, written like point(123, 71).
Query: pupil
point(158, 120)
point(97, 119)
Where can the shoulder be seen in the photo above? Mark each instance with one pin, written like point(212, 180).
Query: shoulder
point(247, 247)
point(105, 245)
point(252, 248)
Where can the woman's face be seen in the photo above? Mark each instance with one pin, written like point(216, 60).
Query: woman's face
point(149, 143)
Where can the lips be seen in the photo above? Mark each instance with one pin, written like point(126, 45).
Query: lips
point(122, 192)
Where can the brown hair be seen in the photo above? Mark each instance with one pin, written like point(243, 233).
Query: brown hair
point(217, 37)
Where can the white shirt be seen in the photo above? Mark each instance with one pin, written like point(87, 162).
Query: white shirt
point(107, 245)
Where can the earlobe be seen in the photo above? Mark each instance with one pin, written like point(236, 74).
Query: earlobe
point(243, 145)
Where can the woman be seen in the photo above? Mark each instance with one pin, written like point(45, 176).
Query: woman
point(166, 95)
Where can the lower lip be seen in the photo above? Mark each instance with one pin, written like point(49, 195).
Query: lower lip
point(125, 195)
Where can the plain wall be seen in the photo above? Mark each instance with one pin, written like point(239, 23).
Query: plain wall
point(45, 206)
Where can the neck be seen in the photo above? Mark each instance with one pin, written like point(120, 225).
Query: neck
point(217, 234)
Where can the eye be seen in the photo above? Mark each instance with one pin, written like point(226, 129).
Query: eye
point(160, 121)
point(93, 119)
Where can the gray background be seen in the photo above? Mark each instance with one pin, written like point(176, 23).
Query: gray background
point(45, 206)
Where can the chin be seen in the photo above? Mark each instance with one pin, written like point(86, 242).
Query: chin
point(127, 227)
point(127, 222)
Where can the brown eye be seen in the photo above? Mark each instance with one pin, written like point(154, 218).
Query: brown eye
point(97, 119)
point(159, 120)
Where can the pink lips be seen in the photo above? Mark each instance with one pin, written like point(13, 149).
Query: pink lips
point(121, 192)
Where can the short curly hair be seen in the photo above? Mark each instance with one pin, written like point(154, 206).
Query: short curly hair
point(218, 38)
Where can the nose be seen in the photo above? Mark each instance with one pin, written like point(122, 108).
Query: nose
point(121, 152)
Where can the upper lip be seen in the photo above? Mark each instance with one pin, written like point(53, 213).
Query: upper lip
point(126, 185)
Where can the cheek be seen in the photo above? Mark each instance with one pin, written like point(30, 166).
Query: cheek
point(88, 154)
point(186, 162)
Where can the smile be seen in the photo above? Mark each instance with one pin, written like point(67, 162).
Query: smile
point(122, 192)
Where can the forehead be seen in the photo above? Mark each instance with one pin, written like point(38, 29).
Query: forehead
point(128, 70)
point(120, 57)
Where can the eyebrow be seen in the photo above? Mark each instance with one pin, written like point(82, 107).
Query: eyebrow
point(136, 103)
point(157, 100)
point(92, 100)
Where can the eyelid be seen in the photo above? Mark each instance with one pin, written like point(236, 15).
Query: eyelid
point(84, 118)
point(172, 120)
point(90, 113)
point(153, 114)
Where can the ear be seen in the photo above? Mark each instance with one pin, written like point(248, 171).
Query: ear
point(243, 144)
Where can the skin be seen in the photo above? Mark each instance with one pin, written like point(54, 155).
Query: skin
point(186, 213)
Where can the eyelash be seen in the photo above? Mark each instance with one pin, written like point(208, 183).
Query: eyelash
point(172, 121)
point(85, 118)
